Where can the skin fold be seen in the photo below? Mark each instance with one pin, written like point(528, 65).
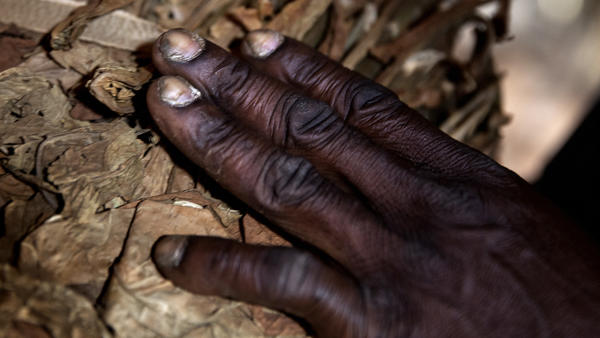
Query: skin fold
point(423, 236)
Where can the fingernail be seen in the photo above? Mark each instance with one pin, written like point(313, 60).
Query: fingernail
point(176, 91)
point(262, 43)
point(180, 45)
point(169, 251)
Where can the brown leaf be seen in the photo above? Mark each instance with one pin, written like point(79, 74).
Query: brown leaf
point(258, 233)
point(196, 198)
point(76, 253)
point(106, 165)
point(174, 13)
point(86, 57)
point(206, 13)
point(35, 15)
point(274, 324)
point(68, 30)
point(21, 217)
point(118, 29)
point(41, 65)
point(298, 16)
point(13, 50)
point(360, 50)
point(180, 180)
point(24, 329)
point(115, 86)
point(223, 31)
point(83, 113)
point(11, 188)
point(266, 8)
point(29, 304)
point(247, 17)
point(419, 36)
point(30, 101)
point(33, 108)
point(157, 170)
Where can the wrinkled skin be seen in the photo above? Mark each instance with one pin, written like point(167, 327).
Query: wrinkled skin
point(423, 236)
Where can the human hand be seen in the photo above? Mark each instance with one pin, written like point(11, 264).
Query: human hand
point(418, 234)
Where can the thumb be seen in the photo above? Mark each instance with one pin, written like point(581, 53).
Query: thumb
point(281, 278)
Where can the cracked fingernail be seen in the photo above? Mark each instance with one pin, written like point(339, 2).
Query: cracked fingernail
point(262, 43)
point(176, 91)
point(169, 251)
point(180, 45)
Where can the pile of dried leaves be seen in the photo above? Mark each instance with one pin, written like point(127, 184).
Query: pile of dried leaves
point(87, 185)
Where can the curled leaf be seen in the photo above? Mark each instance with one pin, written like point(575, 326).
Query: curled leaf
point(115, 86)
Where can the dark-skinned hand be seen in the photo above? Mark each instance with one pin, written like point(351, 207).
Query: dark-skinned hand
point(419, 235)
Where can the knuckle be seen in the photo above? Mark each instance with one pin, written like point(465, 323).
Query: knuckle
point(219, 145)
point(309, 123)
point(287, 182)
point(366, 95)
point(375, 107)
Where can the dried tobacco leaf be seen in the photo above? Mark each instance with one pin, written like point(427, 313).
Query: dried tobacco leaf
point(76, 253)
point(11, 188)
point(41, 65)
point(32, 108)
point(30, 102)
point(180, 180)
point(224, 31)
point(139, 302)
point(206, 13)
point(360, 50)
point(258, 233)
point(85, 57)
point(107, 163)
point(274, 324)
point(115, 86)
point(336, 36)
point(420, 36)
point(22, 216)
point(157, 170)
point(298, 17)
point(35, 15)
point(174, 13)
point(29, 306)
point(68, 30)
point(117, 29)
point(84, 113)
point(13, 50)
point(462, 123)
point(266, 8)
point(247, 17)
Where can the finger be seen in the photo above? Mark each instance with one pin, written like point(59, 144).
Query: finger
point(286, 189)
point(281, 278)
point(289, 119)
point(362, 103)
